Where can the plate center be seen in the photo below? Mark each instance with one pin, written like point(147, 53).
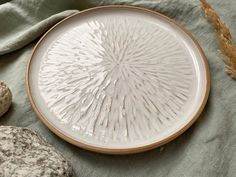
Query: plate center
point(113, 80)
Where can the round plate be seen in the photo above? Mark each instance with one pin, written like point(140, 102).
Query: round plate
point(118, 79)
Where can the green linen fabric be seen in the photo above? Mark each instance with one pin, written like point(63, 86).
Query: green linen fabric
point(207, 149)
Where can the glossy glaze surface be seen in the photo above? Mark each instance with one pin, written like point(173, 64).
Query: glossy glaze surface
point(118, 79)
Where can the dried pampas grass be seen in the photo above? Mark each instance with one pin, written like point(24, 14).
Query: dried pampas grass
point(225, 39)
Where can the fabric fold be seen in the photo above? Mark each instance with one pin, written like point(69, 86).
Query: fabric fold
point(19, 26)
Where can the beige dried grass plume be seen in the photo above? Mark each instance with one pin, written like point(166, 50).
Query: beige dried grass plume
point(224, 37)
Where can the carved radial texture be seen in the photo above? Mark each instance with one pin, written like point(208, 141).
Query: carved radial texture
point(116, 80)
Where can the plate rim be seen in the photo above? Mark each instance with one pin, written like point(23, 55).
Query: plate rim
point(121, 151)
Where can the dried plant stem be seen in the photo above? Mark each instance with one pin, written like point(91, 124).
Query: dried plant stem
point(225, 39)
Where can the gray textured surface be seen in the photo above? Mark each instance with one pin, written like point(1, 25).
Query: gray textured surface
point(24, 153)
point(207, 149)
point(5, 98)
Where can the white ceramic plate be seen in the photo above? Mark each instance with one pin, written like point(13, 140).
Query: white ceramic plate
point(118, 79)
